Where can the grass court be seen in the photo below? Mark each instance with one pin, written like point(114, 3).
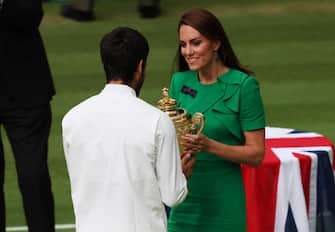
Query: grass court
point(289, 44)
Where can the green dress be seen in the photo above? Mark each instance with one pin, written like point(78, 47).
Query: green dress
point(216, 198)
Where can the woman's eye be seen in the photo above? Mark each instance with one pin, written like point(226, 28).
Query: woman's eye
point(196, 42)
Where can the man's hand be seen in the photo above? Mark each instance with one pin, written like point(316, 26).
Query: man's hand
point(187, 162)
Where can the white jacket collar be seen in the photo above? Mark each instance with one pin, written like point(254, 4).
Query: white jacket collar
point(119, 89)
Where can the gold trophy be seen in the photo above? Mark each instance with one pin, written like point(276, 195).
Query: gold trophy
point(183, 123)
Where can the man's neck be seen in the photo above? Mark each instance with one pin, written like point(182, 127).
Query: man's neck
point(115, 82)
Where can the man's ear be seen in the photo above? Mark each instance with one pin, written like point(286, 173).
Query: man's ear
point(139, 71)
point(139, 68)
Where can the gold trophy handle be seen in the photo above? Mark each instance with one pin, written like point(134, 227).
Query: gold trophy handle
point(198, 123)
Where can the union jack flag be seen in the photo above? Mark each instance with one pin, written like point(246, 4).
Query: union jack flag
point(294, 188)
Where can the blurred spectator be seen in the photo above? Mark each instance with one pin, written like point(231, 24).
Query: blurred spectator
point(26, 88)
point(83, 10)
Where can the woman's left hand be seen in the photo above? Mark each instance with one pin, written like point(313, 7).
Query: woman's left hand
point(194, 142)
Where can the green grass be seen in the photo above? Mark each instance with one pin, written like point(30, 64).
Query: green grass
point(289, 44)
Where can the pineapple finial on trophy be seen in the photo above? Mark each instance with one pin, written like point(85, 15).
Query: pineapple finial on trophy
point(167, 104)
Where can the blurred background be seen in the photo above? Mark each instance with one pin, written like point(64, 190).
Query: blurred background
point(290, 45)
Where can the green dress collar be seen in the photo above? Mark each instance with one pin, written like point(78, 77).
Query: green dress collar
point(222, 90)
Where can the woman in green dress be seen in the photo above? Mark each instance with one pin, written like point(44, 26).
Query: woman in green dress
point(211, 80)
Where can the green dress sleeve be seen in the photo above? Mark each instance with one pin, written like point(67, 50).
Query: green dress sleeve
point(252, 115)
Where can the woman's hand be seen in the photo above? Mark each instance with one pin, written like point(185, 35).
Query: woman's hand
point(250, 153)
point(194, 142)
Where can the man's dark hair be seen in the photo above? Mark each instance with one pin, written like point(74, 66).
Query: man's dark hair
point(121, 50)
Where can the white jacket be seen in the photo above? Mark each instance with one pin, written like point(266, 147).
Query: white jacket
point(123, 161)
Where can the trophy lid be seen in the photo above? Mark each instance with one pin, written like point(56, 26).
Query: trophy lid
point(167, 103)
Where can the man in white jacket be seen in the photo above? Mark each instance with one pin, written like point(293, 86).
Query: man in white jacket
point(122, 153)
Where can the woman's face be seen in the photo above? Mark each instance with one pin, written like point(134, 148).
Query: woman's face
point(197, 50)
